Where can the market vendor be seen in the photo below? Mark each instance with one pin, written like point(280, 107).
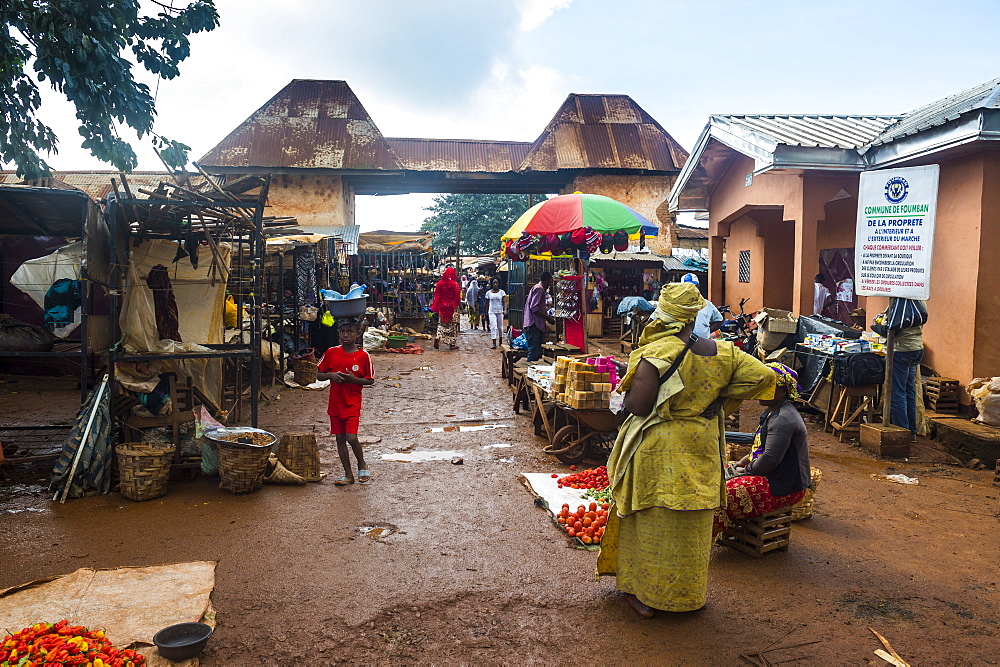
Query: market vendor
point(775, 474)
point(536, 316)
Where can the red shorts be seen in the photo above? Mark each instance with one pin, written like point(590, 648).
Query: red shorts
point(340, 425)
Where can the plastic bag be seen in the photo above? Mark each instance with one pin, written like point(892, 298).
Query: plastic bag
point(986, 394)
point(520, 343)
point(232, 313)
point(18, 336)
point(374, 339)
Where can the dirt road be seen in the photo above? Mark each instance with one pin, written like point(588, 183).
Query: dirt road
point(468, 570)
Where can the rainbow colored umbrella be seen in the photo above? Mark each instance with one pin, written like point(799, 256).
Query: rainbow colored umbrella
point(568, 212)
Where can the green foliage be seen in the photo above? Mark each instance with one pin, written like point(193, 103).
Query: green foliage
point(484, 219)
point(86, 50)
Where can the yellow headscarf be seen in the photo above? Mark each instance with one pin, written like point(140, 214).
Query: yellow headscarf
point(679, 304)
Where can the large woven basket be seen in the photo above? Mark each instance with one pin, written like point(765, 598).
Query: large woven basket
point(299, 452)
point(241, 467)
point(304, 372)
point(804, 508)
point(143, 469)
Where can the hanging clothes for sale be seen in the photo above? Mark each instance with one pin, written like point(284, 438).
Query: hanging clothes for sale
point(305, 275)
point(164, 303)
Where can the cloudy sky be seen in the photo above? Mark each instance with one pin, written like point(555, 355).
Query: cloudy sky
point(499, 69)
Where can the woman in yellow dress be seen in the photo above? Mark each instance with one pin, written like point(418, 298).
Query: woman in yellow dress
point(666, 469)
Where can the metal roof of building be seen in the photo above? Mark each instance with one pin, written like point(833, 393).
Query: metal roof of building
point(603, 132)
point(688, 232)
point(347, 233)
point(309, 124)
point(461, 155)
point(97, 184)
point(820, 131)
point(984, 96)
point(33, 211)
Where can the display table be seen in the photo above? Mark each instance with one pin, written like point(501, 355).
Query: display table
point(508, 357)
point(553, 350)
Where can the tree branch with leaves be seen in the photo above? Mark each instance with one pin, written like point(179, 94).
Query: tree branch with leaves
point(484, 218)
point(87, 50)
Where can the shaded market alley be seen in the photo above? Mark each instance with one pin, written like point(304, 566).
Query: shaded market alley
point(438, 561)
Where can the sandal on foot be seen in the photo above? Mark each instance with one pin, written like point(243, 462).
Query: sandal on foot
point(344, 481)
point(643, 610)
point(364, 476)
point(453, 347)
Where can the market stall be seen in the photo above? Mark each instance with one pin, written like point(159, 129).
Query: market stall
point(614, 278)
point(399, 270)
point(572, 226)
point(176, 253)
point(53, 304)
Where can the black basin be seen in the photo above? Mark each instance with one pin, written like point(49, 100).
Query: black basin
point(182, 641)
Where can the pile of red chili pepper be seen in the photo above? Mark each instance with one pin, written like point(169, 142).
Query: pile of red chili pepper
point(45, 644)
point(592, 478)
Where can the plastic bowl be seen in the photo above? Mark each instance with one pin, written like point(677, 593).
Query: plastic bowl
point(182, 641)
point(347, 307)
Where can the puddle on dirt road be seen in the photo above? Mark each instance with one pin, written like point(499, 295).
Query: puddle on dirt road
point(857, 462)
point(421, 457)
point(419, 368)
point(377, 532)
point(499, 445)
point(464, 428)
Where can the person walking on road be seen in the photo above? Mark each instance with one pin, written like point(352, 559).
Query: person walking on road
point(348, 368)
point(536, 316)
point(496, 299)
point(472, 300)
point(447, 298)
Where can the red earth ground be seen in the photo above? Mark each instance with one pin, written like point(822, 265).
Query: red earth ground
point(470, 570)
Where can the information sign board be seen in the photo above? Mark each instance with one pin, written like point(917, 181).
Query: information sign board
point(895, 235)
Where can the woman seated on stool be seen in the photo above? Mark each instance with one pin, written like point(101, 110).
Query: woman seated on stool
point(776, 472)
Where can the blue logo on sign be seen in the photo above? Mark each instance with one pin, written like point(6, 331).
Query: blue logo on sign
point(896, 189)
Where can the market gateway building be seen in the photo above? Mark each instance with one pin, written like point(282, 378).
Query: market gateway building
point(781, 192)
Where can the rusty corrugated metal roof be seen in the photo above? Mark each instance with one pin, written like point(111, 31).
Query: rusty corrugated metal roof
point(459, 155)
point(687, 232)
point(97, 184)
point(603, 132)
point(309, 124)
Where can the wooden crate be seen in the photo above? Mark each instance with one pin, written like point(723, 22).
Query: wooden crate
point(759, 535)
point(941, 394)
point(885, 440)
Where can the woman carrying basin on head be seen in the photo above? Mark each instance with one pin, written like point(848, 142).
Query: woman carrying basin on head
point(666, 468)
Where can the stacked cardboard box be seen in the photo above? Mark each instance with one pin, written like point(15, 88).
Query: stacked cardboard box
point(576, 384)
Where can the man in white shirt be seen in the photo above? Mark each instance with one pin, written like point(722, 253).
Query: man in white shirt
point(821, 295)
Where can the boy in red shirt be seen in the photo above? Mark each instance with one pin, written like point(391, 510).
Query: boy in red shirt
point(348, 369)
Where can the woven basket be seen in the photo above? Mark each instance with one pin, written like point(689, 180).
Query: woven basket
point(241, 468)
point(143, 469)
point(299, 452)
point(804, 508)
point(275, 473)
point(305, 372)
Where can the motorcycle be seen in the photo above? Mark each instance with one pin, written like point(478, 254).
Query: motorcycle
point(740, 329)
